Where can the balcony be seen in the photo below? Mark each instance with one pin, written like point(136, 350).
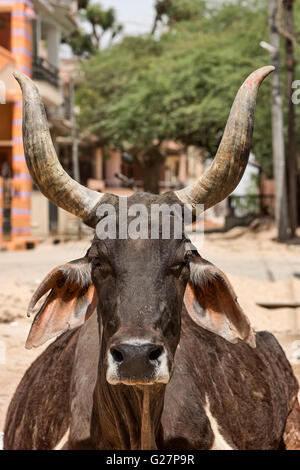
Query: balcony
point(42, 70)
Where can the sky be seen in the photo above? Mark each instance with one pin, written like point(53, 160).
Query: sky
point(136, 15)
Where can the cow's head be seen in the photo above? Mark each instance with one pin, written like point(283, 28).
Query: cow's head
point(139, 285)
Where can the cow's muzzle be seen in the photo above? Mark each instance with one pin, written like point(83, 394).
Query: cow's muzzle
point(134, 363)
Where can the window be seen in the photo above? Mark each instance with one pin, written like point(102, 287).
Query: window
point(5, 27)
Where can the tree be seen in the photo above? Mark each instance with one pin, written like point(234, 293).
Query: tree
point(170, 12)
point(292, 164)
point(277, 127)
point(161, 9)
point(178, 86)
point(114, 105)
point(96, 22)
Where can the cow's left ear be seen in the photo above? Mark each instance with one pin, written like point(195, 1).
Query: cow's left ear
point(212, 303)
point(72, 300)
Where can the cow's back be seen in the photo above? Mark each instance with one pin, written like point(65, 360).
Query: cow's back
point(39, 412)
point(225, 395)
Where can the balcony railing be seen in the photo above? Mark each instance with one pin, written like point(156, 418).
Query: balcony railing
point(43, 70)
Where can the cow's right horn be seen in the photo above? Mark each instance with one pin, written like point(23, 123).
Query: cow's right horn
point(42, 161)
point(230, 162)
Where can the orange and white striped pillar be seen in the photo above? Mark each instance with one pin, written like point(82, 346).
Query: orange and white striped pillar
point(21, 46)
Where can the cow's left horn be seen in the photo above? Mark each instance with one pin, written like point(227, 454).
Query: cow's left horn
point(42, 161)
point(231, 159)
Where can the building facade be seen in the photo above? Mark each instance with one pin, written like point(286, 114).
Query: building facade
point(30, 36)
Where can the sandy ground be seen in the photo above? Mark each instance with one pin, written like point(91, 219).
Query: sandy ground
point(258, 267)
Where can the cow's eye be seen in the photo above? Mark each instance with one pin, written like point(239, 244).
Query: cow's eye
point(177, 268)
point(189, 256)
point(95, 263)
point(101, 267)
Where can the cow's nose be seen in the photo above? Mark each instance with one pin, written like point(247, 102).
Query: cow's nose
point(127, 352)
point(137, 363)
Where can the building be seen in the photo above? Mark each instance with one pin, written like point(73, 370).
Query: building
point(30, 35)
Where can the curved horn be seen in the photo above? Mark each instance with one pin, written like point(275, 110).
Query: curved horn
point(42, 161)
point(231, 159)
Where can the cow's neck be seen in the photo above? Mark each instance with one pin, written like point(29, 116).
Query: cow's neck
point(126, 417)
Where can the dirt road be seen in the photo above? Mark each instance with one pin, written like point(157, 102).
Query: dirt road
point(258, 268)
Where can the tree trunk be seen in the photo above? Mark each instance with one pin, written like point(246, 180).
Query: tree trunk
point(151, 161)
point(154, 24)
point(292, 169)
point(75, 160)
point(151, 177)
point(281, 208)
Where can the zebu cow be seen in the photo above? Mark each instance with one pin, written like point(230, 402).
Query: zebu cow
point(168, 360)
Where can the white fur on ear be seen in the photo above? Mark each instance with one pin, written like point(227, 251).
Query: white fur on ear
point(81, 273)
point(77, 272)
point(202, 272)
point(72, 299)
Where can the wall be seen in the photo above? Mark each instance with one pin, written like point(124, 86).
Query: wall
point(112, 166)
point(39, 215)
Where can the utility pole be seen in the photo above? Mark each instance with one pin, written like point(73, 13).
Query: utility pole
point(281, 207)
point(75, 162)
point(292, 167)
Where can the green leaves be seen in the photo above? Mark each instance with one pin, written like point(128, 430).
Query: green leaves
point(99, 21)
point(181, 85)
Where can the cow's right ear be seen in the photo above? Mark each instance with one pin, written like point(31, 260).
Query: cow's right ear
point(212, 303)
point(72, 300)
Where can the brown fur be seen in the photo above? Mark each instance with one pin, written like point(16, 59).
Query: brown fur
point(38, 415)
point(256, 387)
point(251, 391)
point(220, 390)
point(291, 436)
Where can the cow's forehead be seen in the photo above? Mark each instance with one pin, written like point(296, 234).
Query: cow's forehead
point(144, 251)
point(159, 238)
point(146, 199)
